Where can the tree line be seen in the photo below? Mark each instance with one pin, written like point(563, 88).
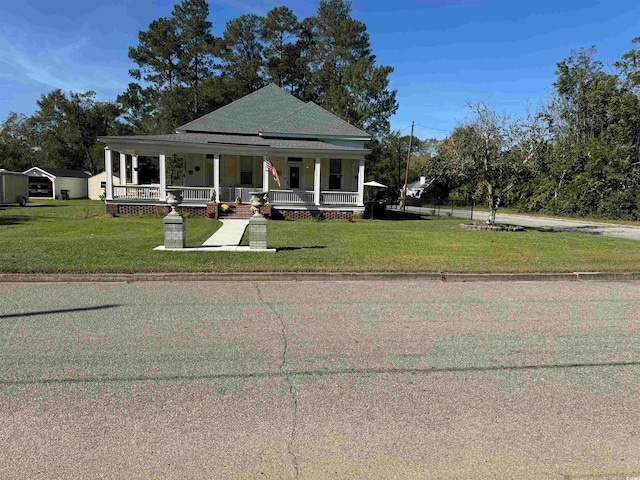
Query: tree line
point(182, 71)
point(578, 154)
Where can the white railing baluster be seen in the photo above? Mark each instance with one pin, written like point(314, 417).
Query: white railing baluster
point(341, 198)
point(230, 194)
point(136, 192)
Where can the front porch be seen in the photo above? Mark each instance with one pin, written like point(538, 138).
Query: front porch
point(316, 185)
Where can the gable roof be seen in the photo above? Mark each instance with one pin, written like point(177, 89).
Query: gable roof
point(61, 172)
point(273, 112)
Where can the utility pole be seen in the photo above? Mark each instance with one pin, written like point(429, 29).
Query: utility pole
point(399, 162)
point(406, 173)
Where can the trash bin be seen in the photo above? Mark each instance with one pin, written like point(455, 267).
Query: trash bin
point(64, 194)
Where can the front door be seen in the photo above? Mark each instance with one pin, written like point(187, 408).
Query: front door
point(294, 177)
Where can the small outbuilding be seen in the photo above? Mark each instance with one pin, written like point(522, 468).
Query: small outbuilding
point(98, 185)
point(13, 187)
point(57, 183)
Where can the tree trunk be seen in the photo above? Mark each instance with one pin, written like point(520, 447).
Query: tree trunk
point(494, 202)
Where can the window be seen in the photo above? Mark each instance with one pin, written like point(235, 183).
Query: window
point(246, 170)
point(335, 174)
point(103, 184)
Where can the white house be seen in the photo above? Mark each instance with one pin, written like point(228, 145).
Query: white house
point(416, 189)
point(317, 158)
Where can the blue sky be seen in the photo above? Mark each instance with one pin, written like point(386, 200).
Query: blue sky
point(446, 53)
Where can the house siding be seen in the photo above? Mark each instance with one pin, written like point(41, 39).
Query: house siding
point(93, 185)
point(77, 187)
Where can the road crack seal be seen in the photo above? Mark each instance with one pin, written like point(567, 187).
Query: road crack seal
point(292, 388)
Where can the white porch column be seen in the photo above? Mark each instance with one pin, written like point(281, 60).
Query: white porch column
point(361, 183)
point(216, 175)
point(134, 169)
point(123, 168)
point(163, 176)
point(108, 167)
point(316, 181)
point(265, 174)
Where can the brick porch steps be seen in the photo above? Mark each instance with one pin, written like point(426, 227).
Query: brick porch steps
point(236, 212)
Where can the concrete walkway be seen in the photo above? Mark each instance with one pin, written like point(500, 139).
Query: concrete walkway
point(542, 223)
point(226, 239)
point(230, 234)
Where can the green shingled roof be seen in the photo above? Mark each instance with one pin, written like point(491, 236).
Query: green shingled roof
point(312, 119)
point(275, 112)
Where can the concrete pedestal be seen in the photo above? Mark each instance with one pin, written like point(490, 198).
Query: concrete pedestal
point(258, 233)
point(175, 231)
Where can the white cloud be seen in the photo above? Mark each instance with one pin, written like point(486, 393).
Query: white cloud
point(54, 66)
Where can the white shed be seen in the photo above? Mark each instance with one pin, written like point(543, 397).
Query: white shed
point(98, 184)
point(57, 183)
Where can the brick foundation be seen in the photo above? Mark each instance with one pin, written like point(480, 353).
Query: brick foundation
point(319, 214)
point(266, 210)
point(157, 210)
point(112, 209)
point(212, 210)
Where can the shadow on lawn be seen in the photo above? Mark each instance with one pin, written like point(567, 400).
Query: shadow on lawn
point(398, 215)
point(13, 219)
point(285, 249)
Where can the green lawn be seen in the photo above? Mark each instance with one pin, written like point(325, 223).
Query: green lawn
point(77, 236)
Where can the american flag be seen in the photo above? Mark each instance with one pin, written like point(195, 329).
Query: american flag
point(273, 170)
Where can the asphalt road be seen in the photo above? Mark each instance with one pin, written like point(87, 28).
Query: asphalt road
point(539, 222)
point(345, 380)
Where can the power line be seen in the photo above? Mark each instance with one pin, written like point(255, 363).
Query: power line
point(432, 128)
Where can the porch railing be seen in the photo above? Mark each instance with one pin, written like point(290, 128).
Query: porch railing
point(136, 192)
point(194, 194)
point(291, 196)
point(339, 198)
point(230, 194)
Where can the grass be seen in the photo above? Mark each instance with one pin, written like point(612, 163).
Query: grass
point(77, 236)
